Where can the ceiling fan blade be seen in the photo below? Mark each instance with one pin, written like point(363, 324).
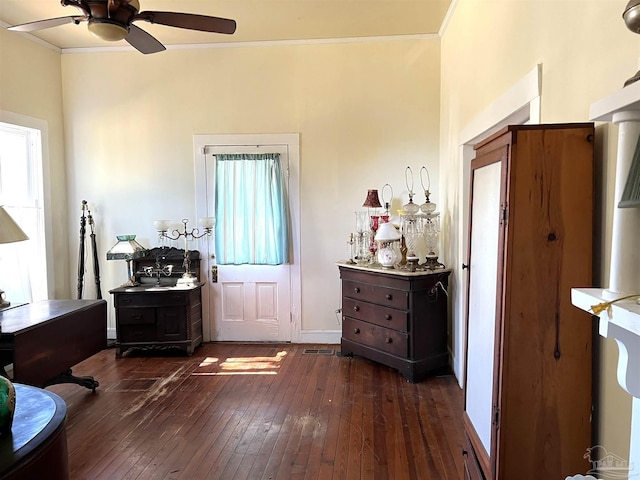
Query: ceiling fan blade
point(189, 21)
point(143, 41)
point(48, 23)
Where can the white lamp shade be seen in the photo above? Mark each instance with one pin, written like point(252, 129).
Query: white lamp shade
point(10, 231)
point(387, 233)
point(207, 222)
point(162, 225)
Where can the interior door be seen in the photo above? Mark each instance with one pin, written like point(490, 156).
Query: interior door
point(486, 236)
point(247, 302)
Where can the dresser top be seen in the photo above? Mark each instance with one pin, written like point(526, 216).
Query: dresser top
point(393, 271)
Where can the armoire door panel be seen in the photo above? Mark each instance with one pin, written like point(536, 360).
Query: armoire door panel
point(483, 281)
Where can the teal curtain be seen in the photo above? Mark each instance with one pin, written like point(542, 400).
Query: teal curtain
point(252, 215)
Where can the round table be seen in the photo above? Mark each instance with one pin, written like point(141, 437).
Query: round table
point(37, 446)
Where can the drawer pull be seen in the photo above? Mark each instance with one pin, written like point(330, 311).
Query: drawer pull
point(136, 316)
point(356, 308)
point(356, 330)
point(356, 290)
point(125, 300)
point(387, 317)
point(389, 296)
point(388, 340)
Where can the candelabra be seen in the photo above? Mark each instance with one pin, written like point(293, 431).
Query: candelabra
point(207, 224)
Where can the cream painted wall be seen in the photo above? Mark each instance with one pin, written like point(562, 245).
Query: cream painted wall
point(31, 85)
point(586, 53)
point(364, 112)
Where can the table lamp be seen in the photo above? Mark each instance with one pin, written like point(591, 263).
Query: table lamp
point(127, 249)
point(10, 232)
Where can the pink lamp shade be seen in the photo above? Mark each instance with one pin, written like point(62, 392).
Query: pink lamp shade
point(372, 200)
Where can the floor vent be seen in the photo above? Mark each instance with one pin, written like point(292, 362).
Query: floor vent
point(318, 351)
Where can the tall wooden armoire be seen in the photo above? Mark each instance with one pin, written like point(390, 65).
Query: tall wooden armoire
point(528, 382)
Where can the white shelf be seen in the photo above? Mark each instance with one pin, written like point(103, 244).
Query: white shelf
point(624, 100)
point(625, 313)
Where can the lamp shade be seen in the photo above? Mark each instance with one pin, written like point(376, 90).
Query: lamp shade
point(372, 200)
point(126, 249)
point(10, 231)
point(387, 233)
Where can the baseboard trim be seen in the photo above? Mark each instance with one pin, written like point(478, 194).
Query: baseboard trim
point(331, 337)
point(328, 337)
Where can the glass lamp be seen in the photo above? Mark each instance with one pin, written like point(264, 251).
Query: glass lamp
point(410, 226)
point(430, 224)
point(10, 232)
point(373, 201)
point(127, 249)
point(388, 239)
point(431, 230)
point(363, 233)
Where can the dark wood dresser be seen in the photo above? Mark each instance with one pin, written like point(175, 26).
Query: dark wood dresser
point(160, 312)
point(148, 316)
point(397, 318)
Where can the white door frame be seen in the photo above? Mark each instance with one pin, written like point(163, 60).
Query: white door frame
point(520, 104)
point(292, 141)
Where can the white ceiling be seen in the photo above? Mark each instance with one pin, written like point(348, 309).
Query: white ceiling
point(257, 20)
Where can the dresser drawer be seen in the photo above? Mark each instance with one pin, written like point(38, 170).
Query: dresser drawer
point(375, 336)
point(136, 316)
point(152, 299)
point(380, 295)
point(137, 333)
point(383, 316)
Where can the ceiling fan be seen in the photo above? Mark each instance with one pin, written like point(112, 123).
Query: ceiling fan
point(112, 20)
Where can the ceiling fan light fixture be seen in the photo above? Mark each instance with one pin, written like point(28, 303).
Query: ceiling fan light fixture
point(631, 16)
point(111, 32)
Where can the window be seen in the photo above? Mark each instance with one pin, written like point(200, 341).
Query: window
point(23, 265)
point(252, 218)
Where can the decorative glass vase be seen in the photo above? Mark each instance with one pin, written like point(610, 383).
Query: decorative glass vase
point(7, 404)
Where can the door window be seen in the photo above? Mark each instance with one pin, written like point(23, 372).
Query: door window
point(252, 218)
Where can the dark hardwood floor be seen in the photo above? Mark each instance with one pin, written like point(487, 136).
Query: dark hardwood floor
point(259, 411)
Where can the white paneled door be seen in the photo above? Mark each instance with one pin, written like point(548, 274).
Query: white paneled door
point(252, 303)
point(246, 302)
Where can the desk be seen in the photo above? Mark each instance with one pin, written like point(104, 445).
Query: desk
point(45, 339)
point(37, 446)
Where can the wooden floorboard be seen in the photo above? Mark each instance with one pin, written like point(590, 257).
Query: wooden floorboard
point(259, 412)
